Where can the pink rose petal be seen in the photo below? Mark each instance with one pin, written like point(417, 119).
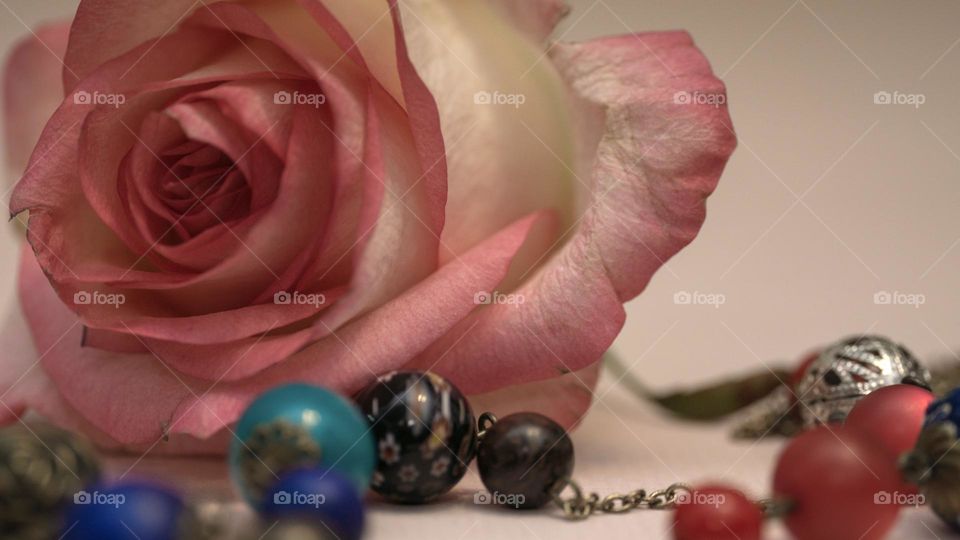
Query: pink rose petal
point(504, 160)
point(657, 162)
point(105, 29)
point(536, 18)
point(32, 89)
point(101, 385)
point(565, 399)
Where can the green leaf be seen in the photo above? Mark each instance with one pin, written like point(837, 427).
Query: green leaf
point(706, 403)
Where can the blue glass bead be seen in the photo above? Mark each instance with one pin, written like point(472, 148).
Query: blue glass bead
point(297, 426)
point(123, 511)
point(320, 496)
point(944, 409)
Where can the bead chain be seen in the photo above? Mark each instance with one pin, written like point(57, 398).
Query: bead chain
point(578, 507)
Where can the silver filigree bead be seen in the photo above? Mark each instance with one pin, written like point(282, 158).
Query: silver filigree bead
point(41, 468)
point(851, 369)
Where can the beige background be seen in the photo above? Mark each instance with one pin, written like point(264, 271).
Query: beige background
point(829, 199)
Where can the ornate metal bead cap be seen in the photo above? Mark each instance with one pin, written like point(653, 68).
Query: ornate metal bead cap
point(41, 467)
point(851, 369)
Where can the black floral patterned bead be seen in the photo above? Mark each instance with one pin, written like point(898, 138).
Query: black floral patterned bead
point(424, 431)
point(523, 459)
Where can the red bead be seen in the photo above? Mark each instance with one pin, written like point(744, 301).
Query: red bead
point(839, 483)
point(891, 417)
point(717, 513)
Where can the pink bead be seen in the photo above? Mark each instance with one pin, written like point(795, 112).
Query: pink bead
point(717, 513)
point(840, 484)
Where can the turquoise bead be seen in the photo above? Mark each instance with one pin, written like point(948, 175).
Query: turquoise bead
point(296, 426)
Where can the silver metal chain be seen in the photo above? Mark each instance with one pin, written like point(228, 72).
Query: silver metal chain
point(577, 506)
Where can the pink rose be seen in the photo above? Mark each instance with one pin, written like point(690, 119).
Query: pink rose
point(248, 193)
